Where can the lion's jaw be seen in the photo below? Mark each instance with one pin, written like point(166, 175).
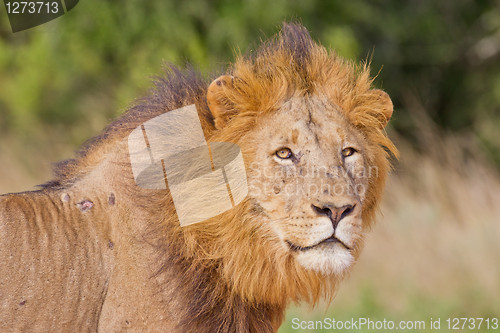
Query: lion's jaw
point(302, 198)
point(331, 250)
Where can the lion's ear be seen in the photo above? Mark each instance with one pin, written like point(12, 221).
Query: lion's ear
point(218, 101)
point(383, 104)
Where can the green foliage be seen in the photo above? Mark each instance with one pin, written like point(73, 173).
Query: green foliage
point(91, 63)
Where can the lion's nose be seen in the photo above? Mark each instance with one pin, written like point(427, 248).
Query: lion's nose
point(334, 213)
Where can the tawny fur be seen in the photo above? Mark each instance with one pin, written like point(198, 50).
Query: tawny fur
point(125, 262)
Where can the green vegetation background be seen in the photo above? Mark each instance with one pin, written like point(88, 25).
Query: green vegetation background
point(62, 82)
point(93, 61)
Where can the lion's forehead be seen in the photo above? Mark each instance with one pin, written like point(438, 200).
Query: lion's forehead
point(310, 122)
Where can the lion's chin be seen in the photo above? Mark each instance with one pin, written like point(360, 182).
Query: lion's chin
point(327, 260)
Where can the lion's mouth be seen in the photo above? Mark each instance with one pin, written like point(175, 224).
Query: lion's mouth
point(332, 239)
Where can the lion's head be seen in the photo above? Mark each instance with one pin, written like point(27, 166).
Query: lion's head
point(309, 178)
point(311, 129)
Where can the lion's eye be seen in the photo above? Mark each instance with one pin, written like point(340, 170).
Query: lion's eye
point(348, 151)
point(284, 153)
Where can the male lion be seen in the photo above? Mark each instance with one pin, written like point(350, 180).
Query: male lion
point(92, 251)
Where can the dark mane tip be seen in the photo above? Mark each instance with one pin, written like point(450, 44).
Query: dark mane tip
point(297, 39)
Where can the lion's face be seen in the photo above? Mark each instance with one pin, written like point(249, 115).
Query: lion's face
point(309, 178)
